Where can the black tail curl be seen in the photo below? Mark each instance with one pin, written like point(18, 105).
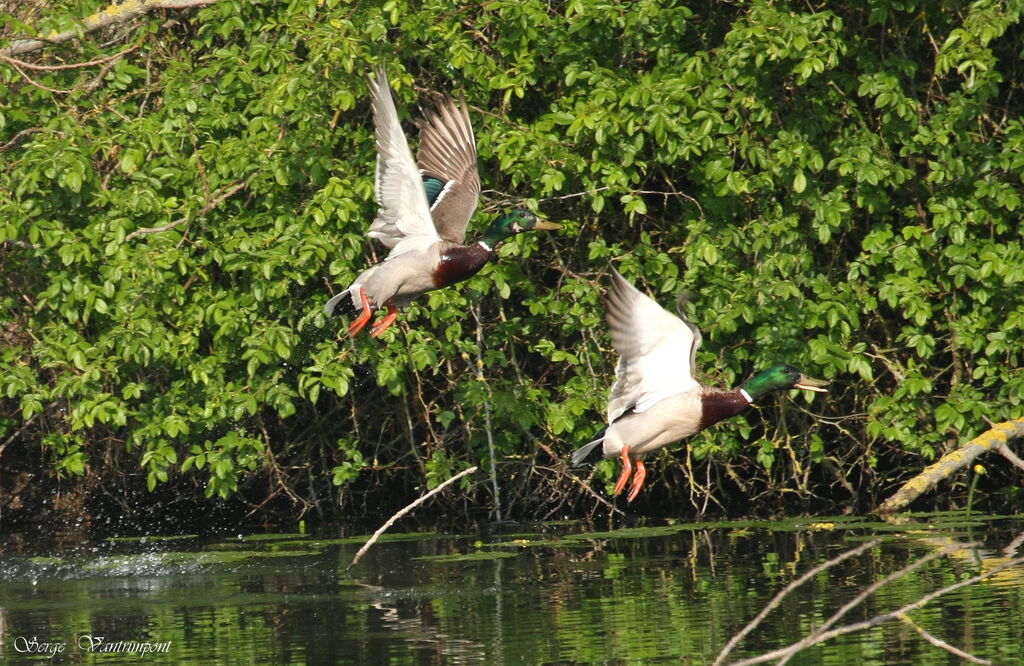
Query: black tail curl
point(341, 304)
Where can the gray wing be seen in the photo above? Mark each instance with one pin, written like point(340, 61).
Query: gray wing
point(403, 222)
point(448, 154)
point(656, 350)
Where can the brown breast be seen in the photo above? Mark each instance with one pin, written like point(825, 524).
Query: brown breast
point(460, 262)
point(718, 405)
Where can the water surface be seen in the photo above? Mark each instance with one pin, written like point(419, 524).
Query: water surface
point(569, 593)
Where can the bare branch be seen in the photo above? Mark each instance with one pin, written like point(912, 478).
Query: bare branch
point(1011, 456)
point(98, 79)
point(1011, 548)
point(878, 619)
point(17, 433)
point(561, 471)
point(17, 138)
point(939, 643)
point(73, 65)
point(213, 203)
point(56, 91)
point(113, 15)
point(25, 245)
point(402, 512)
point(812, 638)
point(574, 194)
point(774, 603)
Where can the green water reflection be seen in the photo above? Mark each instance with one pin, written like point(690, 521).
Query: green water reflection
point(565, 593)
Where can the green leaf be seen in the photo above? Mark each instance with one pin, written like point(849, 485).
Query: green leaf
point(799, 182)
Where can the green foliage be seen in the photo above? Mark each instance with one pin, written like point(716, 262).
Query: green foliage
point(835, 188)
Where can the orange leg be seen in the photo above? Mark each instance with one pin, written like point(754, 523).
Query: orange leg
point(638, 480)
point(627, 470)
point(359, 322)
point(388, 319)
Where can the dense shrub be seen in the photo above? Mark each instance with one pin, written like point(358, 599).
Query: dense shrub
point(835, 187)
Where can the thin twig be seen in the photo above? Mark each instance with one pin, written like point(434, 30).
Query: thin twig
point(878, 619)
point(402, 512)
point(939, 643)
point(774, 603)
point(17, 433)
point(487, 412)
point(572, 477)
point(74, 65)
point(878, 584)
point(219, 199)
point(574, 194)
point(16, 139)
point(56, 91)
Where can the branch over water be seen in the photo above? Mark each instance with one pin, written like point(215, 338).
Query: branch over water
point(402, 512)
point(995, 439)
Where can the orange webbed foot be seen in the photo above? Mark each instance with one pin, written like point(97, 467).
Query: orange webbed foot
point(385, 322)
point(359, 322)
point(638, 481)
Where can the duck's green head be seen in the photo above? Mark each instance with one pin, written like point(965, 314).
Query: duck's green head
point(779, 378)
point(514, 222)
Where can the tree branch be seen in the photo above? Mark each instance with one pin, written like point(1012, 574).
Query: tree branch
point(210, 205)
point(939, 643)
point(113, 15)
point(73, 65)
point(774, 603)
point(995, 439)
point(19, 137)
point(487, 412)
point(402, 512)
point(559, 469)
point(822, 630)
point(878, 619)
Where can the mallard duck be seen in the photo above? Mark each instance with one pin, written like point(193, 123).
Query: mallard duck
point(424, 211)
point(655, 399)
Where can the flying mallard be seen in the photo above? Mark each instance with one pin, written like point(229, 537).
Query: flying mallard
point(424, 211)
point(656, 400)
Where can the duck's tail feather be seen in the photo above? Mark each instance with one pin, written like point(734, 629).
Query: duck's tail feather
point(591, 452)
point(341, 304)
